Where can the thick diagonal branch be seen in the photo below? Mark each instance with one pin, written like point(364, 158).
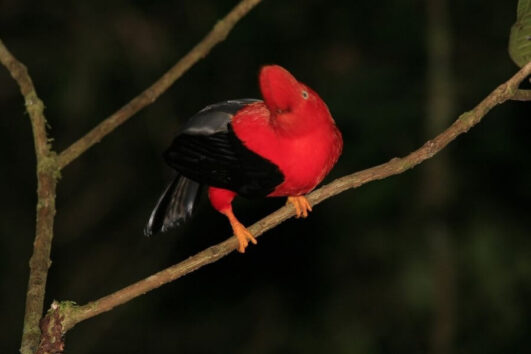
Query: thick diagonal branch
point(47, 172)
point(74, 314)
point(148, 96)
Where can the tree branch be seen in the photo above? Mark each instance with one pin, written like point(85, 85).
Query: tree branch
point(71, 314)
point(522, 95)
point(47, 173)
point(34, 105)
point(218, 33)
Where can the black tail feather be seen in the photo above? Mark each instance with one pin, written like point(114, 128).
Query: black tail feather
point(176, 205)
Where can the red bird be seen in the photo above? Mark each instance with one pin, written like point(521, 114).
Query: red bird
point(282, 146)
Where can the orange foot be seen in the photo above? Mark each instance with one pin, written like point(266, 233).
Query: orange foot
point(301, 204)
point(242, 234)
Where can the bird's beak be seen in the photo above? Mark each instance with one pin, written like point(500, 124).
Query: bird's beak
point(281, 91)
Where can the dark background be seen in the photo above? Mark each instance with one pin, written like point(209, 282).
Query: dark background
point(379, 269)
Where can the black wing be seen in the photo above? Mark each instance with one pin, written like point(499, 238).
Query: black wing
point(208, 151)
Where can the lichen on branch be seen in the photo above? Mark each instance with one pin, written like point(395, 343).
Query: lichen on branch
point(47, 173)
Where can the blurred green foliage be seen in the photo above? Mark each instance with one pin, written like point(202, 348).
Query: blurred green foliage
point(520, 39)
point(358, 276)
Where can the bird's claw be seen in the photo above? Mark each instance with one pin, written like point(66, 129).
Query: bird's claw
point(243, 235)
point(301, 205)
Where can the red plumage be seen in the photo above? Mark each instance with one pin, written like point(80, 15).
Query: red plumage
point(292, 129)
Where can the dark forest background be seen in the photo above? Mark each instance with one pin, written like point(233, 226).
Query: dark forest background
point(435, 260)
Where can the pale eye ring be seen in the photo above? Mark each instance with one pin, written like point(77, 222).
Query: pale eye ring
point(304, 94)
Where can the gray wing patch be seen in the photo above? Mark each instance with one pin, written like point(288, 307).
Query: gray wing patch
point(214, 118)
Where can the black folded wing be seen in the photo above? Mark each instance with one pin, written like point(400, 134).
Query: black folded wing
point(208, 151)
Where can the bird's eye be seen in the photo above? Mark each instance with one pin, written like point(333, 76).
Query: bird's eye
point(304, 94)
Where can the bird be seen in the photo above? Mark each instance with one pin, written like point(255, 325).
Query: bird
point(282, 145)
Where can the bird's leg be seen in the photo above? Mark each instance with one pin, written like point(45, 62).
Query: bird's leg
point(242, 234)
point(221, 200)
point(301, 204)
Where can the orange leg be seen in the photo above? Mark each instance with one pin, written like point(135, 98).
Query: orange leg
point(242, 234)
point(301, 205)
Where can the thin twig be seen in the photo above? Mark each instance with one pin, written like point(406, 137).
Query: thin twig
point(522, 95)
point(47, 172)
point(74, 314)
point(218, 33)
point(34, 105)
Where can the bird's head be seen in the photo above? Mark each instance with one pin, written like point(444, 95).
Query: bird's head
point(293, 105)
